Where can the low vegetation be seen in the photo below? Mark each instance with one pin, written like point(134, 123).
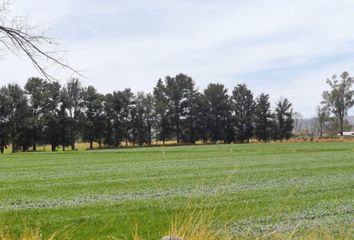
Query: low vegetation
point(246, 190)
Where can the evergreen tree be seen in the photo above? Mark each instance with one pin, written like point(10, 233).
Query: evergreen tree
point(202, 118)
point(284, 119)
point(144, 118)
point(118, 109)
point(178, 91)
point(74, 106)
point(217, 110)
point(127, 98)
point(190, 123)
point(18, 118)
point(5, 123)
point(150, 117)
point(51, 115)
point(46, 113)
point(94, 116)
point(138, 120)
point(243, 109)
point(36, 89)
point(65, 122)
point(161, 111)
point(115, 102)
point(109, 131)
point(263, 118)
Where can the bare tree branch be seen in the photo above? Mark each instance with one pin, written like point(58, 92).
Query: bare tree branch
point(20, 38)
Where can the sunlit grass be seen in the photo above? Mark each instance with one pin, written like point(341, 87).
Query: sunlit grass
point(257, 191)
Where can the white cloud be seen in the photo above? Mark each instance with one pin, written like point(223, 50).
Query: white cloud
point(133, 43)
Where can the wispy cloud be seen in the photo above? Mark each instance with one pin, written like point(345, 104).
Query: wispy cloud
point(286, 48)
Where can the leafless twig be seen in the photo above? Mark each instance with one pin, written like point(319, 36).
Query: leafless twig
point(20, 38)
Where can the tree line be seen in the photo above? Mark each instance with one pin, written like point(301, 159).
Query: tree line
point(48, 113)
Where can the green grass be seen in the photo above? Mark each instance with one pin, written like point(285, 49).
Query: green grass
point(252, 189)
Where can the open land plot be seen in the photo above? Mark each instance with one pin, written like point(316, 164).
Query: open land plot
point(253, 189)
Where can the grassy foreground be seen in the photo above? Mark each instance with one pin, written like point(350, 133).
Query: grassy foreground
point(248, 190)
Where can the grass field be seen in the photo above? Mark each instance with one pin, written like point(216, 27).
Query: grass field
point(251, 189)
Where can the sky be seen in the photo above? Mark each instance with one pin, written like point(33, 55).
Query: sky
point(284, 48)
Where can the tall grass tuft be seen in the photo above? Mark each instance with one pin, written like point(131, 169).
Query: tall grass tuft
point(195, 226)
point(27, 234)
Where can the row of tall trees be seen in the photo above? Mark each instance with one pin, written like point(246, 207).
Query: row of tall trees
point(46, 112)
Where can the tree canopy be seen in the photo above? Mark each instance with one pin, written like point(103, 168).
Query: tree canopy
point(339, 99)
point(46, 112)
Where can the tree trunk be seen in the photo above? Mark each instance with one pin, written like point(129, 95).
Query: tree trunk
point(34, 143)
point(341, 123)
point(116, 144)
point(13, 147)
point(126, 134)
point(91, 144)
point(192, 137)
point(134, 138)
point(149, 141)
point(63, 148)
point(73, 146)
point(53, 148)
point(177, 132)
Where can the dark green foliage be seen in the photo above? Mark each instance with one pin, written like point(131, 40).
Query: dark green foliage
point(18, 116)
point(128, 103)
point(243, 107)
point(217, 110)
point(263, 118)
point(47, 113)
point(142, 119)
point(175, 101)
point(179, 92)
point(109, 119)
point(36, 89)
point(94, 116)
point(201, 120)
point(5, 111)
point(73, 99)
point(53, 129)
point(284, 119)
point(118, 113)
point(190, 129)
point(161, 111)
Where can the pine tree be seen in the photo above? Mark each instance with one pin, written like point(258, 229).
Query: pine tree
point(243, 110)
point(284, 119)
point(263, 118)
point(217, 110)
